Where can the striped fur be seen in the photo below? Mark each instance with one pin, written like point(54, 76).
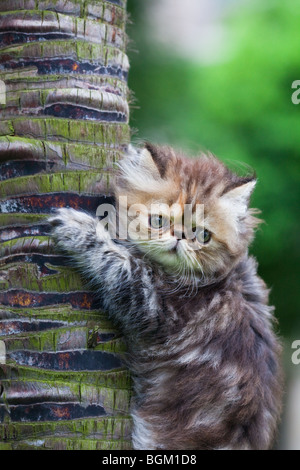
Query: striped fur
point(204, 359)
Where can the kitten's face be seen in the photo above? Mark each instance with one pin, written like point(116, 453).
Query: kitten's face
point(190, 216)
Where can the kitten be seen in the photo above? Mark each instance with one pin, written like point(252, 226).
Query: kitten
point(201, 350)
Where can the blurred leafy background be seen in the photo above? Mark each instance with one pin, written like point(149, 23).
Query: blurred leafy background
point(218, 76)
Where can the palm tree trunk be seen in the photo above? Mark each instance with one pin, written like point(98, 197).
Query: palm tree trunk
point(64, 123)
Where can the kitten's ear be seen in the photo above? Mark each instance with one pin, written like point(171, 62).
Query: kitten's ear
point(239, 196)
point(158, 155)
point(142, 169)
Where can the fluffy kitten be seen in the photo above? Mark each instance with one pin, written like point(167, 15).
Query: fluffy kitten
point(201, 350)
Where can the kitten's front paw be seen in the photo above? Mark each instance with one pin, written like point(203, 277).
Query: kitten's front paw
point(73, 231)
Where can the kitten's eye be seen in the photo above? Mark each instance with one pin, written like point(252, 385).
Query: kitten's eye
point(158, 221)
point(203, 235)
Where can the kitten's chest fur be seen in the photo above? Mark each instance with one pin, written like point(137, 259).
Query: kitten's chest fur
point(203, 311)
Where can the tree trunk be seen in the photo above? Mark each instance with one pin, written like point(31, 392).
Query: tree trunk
point(63, 72)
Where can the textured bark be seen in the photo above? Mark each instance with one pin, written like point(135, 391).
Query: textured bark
point(64, 124)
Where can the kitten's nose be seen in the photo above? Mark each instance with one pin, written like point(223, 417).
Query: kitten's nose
point(178, 232)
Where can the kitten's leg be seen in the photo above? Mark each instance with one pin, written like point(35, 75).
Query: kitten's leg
point(123, 281)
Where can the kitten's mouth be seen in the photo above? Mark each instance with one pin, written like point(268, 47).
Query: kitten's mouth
point(174, 249)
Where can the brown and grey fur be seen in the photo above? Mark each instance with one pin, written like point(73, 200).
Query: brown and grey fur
point(201, 348)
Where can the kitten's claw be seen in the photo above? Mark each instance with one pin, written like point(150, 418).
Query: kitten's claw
point(72, 230)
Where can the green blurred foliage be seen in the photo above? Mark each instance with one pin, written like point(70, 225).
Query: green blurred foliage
point(241, 110)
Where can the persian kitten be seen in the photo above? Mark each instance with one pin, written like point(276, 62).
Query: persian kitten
point(187, 297)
